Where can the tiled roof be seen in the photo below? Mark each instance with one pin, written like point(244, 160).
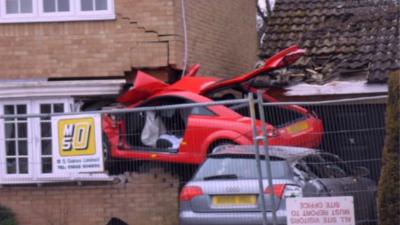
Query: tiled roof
point(343, 38)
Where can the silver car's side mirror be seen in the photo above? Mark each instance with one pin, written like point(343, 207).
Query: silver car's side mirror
point(360, 171)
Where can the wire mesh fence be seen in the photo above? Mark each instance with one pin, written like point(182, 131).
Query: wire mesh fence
point(217, 184)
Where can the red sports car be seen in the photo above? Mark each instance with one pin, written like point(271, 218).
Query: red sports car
point(187, 135)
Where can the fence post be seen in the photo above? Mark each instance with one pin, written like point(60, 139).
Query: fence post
point(266, 152)
point(256, 140)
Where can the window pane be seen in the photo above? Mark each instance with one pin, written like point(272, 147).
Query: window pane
point(63, 5)
point(22, 148)
point(11, 166)
point(11, 6)
point(10, 130)
point(26, 6)
point(46, 165)
point(46, 147)
point(23, 165)
point(58, 108)
point(21, 110)
point(8, 109)
point(22, 130)
point(87, 5)
point(45, 108)
point(45, 129)
point(49, 5)
point(101, 4)
point(10, 148)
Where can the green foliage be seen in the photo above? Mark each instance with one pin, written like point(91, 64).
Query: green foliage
point(7, 216)
point(389, 184)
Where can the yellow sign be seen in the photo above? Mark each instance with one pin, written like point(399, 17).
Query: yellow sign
point(76, 137)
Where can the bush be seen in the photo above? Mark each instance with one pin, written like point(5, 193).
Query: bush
point(389, 183)
point(7, 216)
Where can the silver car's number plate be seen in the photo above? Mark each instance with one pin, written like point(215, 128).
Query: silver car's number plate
point(234, 200)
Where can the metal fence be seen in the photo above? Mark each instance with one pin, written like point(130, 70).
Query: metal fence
point(178, 136)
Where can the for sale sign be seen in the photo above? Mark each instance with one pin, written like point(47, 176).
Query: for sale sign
point(77, 146)
point(320, 211)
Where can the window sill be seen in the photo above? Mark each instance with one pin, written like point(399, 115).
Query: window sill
point(84, 178)
point(49, 19)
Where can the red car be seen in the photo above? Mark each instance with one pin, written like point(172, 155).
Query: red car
point(187, 135)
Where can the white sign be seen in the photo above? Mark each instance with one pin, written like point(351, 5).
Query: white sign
point(320, 211)
point(77, 144)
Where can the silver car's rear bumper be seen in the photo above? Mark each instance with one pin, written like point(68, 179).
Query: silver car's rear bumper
point(239, 218)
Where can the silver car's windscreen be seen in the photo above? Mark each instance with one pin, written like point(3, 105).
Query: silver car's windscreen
point(240, 168)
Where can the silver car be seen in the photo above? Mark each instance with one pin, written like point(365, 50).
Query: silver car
point(225, 189)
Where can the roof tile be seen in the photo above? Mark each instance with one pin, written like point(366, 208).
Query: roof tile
point(342, 34)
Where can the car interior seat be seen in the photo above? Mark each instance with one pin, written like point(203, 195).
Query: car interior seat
point(135, 122)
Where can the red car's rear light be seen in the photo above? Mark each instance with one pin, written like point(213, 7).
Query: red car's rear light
point(279, 189)
point(189, 192)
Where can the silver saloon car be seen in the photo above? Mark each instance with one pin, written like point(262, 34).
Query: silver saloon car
point(225, 189)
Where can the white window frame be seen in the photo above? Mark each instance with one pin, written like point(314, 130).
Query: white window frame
point(51, 15)
point(75, 13)
point(3, 156)
point(34, 141)
point(94, 12)
point(16, 16)
point(37, 145)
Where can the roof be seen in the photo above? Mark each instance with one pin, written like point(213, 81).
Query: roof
point(344, 39)
point(284, 152)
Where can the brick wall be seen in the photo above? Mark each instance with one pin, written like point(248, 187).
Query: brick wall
point(139, 37)
point(146, 199)
point(146, 34)
point(222, 35)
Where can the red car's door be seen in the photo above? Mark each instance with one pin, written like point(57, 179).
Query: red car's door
point(282, 59)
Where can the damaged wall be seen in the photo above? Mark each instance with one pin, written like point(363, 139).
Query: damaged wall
point(146, 199)
point(145, 34)
point(139, 37)
point(222, 35)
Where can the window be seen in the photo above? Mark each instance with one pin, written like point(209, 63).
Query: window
point(27, 141)
point(327, 166)
point(202, 110)
point(22, 11)
point(16, 140)
point(93, 5)
point(56, 6)
point(46, 135)
point(19, 6)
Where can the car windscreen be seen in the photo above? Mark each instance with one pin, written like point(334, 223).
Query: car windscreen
point(327, 166)
point(239, 168)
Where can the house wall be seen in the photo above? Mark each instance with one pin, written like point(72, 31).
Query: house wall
point(139, 37)
point(145, 199)
point(222, 35)
point(146, 34)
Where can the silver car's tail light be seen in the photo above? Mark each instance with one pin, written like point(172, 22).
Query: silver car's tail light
point(278, 189)
point(285, 191)
point(190, 192)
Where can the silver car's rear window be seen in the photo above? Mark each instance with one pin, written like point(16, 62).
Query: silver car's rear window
point(242, 168)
